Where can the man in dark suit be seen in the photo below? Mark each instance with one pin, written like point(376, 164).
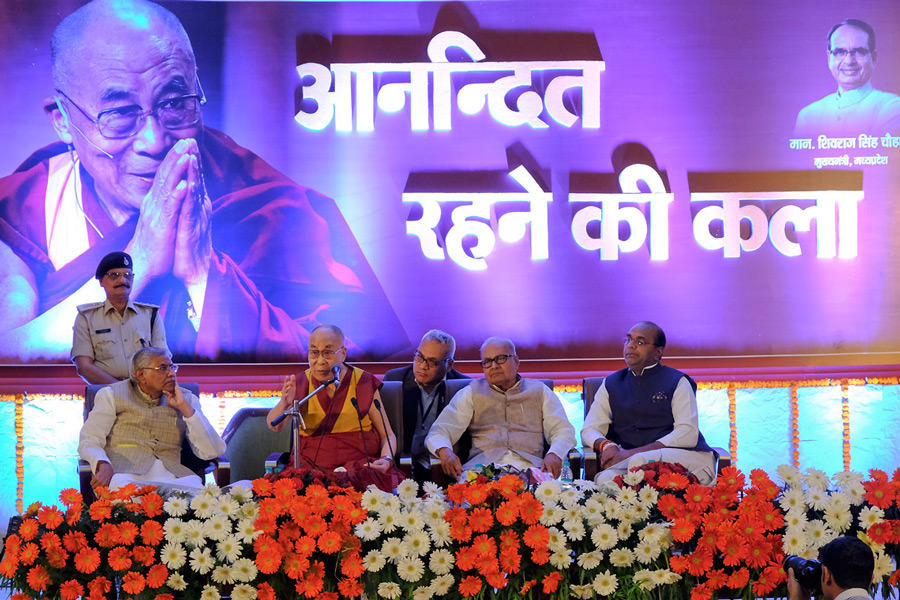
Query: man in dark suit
point(425, 394)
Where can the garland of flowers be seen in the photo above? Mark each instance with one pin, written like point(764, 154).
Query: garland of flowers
point(20, 451)
point(654, 533)
point(845, 419)
point(795, 427)
point(732, 423)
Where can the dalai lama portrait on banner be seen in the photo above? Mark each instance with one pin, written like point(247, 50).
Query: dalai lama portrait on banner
point(242, 261)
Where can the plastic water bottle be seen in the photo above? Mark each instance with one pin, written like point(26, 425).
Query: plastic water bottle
point(565, 474)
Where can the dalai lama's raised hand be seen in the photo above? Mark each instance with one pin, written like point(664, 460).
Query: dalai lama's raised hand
point(193, 242)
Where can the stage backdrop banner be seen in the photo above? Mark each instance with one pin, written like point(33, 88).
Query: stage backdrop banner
point(548, 171)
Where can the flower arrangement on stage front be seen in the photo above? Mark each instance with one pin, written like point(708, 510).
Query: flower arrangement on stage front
point(654, 533)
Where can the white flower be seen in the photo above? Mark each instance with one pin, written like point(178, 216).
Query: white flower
point(569, 497)
point(795, 518)
point(408, 488)
point(411, 521)
point(209, 593)
point(241, 493)
point(883, 566)
point(648, 496)
point(433, 510)
point(441, 561)
point(223, 574)
point(218, 527)
point(548, 490)
point(212, 489)
point(394, 549)
point(557, 539)
point(173, 556)
point(175, 506)
point(794, 541)
point(627, 515)
point(627, 495)
point(410, 569)
point(229, 549)
point(633, 477)
point(815, 478)
point(641, 512)
point(372, 499)
point(847, 478)
point(174, 530)
point(418, 543)
point(228, 506)
point(423, 593)
point(653, 531)
point(204, 505)
point(441, 585)
point(838, 519)
point(551, 515)
point(429, 488)
point(816, 498)
point(590, 560)
point(644, 579)
point(574, 529)
point(870, 515)
point(389, 520)
point(250, 510)
point(389, 503)
point(374, 561)
point(245, 570)
point(194, 533)
point(646, 551)
point(244, 531)
point(605, 583)
point(664, 577)
point(440, 533)
point(855, 493)
point(561, 559)
point(818, 534)
point(789, 474)
point(625, 530)
point(604, 536)
point(368, 530)
point(582, 591)
point(621, 557)
point(389, 589)
point(793, 499)
point(201, 560)
point(176, 581)
point(242, 591)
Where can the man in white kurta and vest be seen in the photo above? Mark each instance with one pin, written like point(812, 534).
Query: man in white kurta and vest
point(647, 412)
point(107, 334)
point(135, 431)
point(510, 419)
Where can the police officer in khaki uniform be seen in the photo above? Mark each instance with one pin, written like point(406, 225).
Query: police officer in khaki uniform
point(107, 334)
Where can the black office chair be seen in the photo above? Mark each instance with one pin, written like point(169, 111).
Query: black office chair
point(249, 445)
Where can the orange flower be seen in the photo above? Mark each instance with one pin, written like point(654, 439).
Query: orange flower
point(262, 487)
point(310, 586)
point(119, 558)
point(731, 477)
point(87, 560)
point(70, 497)
point(157, 576)
point(734, 552)
point(697, 497)
point(284, 488)
point(456, 493)
point(466, 558)
point(315, 526)
point(295, 565)
point(152, 533)
point(476, 493)
point(480, 519)
point(51, 540)
point(9, 566)
point(269, 508)
point(13, 543)
point(107, 536)
point(20, 596)
point(28, 529)
point(164, 597)
point(38, 578)
point(530, 509)
point(670, 506)
point(528, 585)
point(496, 579)
point(551, 582)
point(133, 583)
point(485, 547)
point(70, 590)
point(28, 553)
point(289, 531)
point(73, 541)
point(895, 576)
point(330, 542)
point(99, 587)
point(265, 543)
point(701, 592)
point(509, 540)
point(683, 530)
point(507, 513)
point(510, 561)
point(56, 557)
point(352, 566)
point(264, 591)
point(536, 537)
point(672, 481)
point(716, 579)
point(349, 588)
point(50, 517)
point(509, 485)
point(880, 532)
point(879, 493)
point(739, 579)
point(758, 553)
point(305, 546)
point(540, 557)
point(143, 555)
point(699, 562)
point(152, 504)
point(128, 533)
point(100, 510)
point(470, 585)
point(268, 562)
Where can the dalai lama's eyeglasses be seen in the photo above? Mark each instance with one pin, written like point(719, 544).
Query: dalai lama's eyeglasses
point(124, 121)
point(326, 354)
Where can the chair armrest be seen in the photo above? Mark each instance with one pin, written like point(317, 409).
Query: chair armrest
point(277, 461)
point(223, 472)
point(724, 458)
point(576, 462)
point(405, 464)
point(84, 481)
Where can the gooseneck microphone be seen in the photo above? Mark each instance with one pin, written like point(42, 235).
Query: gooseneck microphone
point(385, 420)
point(336, 369)
point(361, 434)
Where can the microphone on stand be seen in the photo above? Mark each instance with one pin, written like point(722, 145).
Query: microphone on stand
point(336, 369)
point(361, 434)
point(385, 420)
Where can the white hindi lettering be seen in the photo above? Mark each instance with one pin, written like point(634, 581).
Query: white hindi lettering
point(346, 100)
point(835, 214)
point(473, 219)
point(610, 214)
